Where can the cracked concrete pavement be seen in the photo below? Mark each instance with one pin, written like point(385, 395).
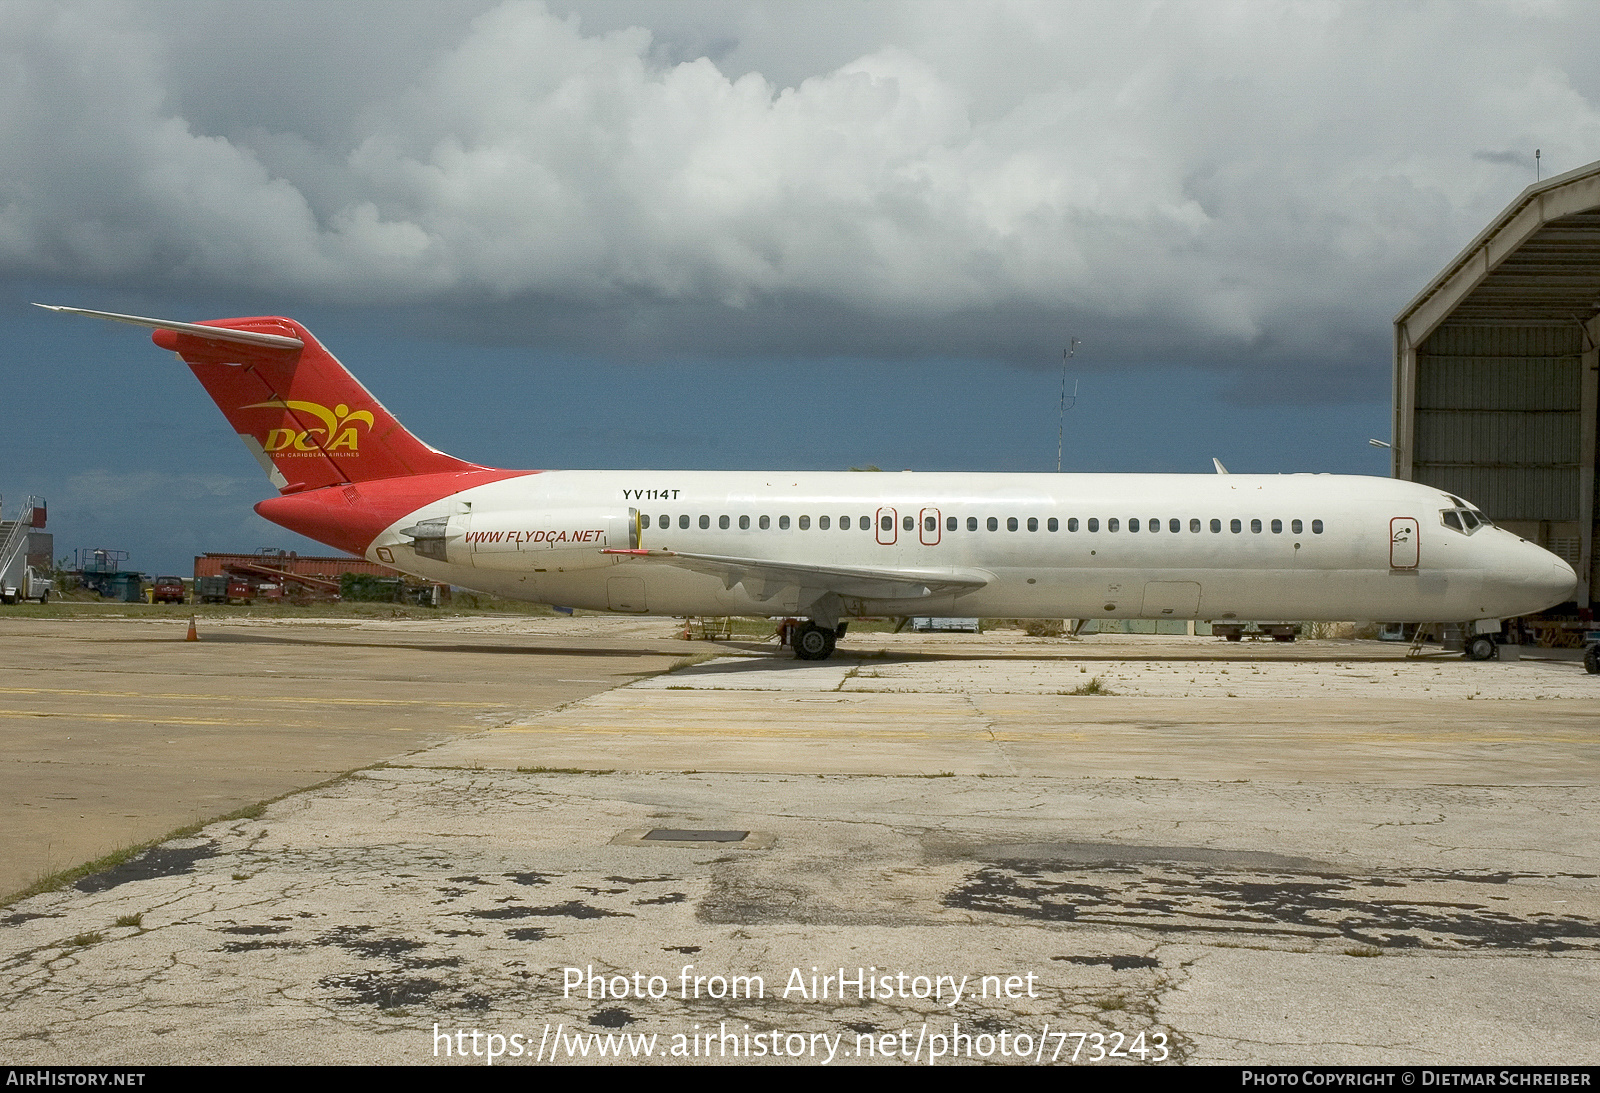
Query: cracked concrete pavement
point(1365, 875)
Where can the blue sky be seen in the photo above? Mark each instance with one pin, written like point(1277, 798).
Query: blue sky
point(734, 235)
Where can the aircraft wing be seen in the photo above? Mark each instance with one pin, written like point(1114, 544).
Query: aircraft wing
point(764, 578)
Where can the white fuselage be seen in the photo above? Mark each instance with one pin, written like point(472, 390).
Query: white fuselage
point(1293, 547)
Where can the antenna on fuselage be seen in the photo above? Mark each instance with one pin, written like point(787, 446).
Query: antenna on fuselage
point(1061, 418)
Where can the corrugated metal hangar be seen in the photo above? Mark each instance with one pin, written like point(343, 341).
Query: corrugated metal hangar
point(1495, 369)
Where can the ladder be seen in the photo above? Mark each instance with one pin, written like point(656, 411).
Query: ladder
point(1445, 631)
point(17, 536)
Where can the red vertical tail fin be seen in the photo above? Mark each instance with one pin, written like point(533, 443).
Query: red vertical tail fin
point(304, 417)
point(307, 420)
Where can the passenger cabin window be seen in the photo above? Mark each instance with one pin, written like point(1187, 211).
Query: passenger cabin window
point(930, 523)
point(1011, 523)
point(972, 523)
point(1235, 527)
point(644, 521)
point(844, 523)
point(805, 523)
point(683, 521)
point(1033, 523)
point(1277, 527)
point(705, 522)
point(1194, 525)
point(1094, 524)
point(1296, 526)
point(1316, 527)
point(822, 523)
point(1154, 525)
point(722, 522)
point(744, 523)
point(909, 523)
point(950, 523)
point(1111, 524)
point(783, 523)
point(1072, 523)
point(994, 524)
point(764, 523)
point(1053, 524)
point(1133, 525)
point(1255, 526)
point(1216, 527)
point(886, 524)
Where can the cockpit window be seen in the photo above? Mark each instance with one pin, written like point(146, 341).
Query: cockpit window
point(1464, 520)
point(1452, 519)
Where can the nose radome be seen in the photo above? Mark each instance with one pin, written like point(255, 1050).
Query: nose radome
point(1529, 578)
point(1562, 581)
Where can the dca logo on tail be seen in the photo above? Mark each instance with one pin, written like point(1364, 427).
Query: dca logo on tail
point(336, 437)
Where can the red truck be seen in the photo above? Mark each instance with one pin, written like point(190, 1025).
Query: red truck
point(167, 590)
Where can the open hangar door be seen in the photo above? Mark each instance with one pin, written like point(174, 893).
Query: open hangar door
point(1495, 375)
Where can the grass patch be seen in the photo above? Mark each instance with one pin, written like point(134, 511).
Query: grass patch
point(131, 920)
point(1364, 950)
point(84, 940)
point(465, 603)
point(690, 661)
point(561, 770)
point(1093, 687)
point(1114, 1002)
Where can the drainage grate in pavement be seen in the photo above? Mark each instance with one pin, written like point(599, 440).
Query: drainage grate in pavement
point(684, 835)
point(691, 837)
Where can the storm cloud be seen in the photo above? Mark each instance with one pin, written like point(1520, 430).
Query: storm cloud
point(1211, 182)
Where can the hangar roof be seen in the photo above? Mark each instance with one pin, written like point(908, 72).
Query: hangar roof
point(1538, 261)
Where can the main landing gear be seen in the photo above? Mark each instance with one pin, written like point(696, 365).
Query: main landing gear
point(813, 642)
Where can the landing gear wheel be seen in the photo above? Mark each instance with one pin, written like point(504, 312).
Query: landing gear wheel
point(1481, 648)
point(1233, 636)
point(812, 642)
point(1591, 660)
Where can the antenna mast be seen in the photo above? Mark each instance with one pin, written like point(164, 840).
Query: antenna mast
point(1061, 417)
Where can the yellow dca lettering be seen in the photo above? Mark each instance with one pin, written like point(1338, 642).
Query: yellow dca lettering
point(339, 425)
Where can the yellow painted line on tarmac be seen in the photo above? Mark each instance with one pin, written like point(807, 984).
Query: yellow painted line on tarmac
point(954, 735)
point(151, 720)
point(154, 719)
point(253, 698)
point(980, 732)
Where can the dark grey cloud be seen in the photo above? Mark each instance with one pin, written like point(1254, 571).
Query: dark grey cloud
point(1247, 186)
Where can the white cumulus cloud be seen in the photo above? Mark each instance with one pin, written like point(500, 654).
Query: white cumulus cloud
point(1204, 179)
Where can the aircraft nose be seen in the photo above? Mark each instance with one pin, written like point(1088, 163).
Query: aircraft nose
point(1561, 581)
point(1540, 579)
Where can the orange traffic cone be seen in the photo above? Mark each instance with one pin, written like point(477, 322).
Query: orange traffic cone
point(192, 635)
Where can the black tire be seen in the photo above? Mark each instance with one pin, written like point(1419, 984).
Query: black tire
point(1481, 648)
point(45, 598)
point(1233, 636)
point(812, 642)
point(1591, 660)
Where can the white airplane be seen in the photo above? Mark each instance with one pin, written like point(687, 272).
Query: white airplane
point(829, 546)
